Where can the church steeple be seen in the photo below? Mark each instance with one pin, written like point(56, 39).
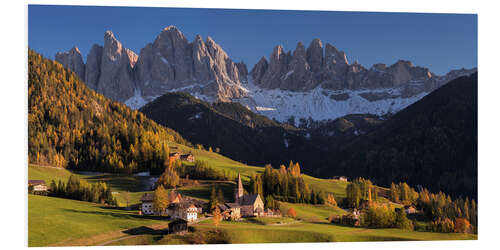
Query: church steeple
point(238, 191)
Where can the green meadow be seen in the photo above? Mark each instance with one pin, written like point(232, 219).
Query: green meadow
point(56, 221)
point(53, 220)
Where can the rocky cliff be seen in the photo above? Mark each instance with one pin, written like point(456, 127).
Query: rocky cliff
point(328, 68)
point(316, 82)
point(170, 63)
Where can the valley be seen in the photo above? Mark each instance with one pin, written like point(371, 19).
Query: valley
point(179, 144)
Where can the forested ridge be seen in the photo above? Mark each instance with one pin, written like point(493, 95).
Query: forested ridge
point(432, 143)
point(72, 126)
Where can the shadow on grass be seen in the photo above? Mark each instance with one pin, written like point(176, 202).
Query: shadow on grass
point(142, 230)
point(120, 215)
point(121, 182)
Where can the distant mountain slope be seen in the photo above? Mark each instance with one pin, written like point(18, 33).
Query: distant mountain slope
point(254, 139)
point(239, 133)
point(432, 143)
point(70, 125)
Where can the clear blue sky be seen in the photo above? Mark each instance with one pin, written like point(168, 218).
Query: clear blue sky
point(438, 41)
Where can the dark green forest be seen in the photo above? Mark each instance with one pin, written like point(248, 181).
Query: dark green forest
point(71, 126)
point(432, 143)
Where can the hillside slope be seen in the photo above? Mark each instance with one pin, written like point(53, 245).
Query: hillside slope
point(251, 138)
point(432, 143)
point(71, 126)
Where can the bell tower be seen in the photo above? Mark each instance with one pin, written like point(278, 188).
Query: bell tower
point(238, 191)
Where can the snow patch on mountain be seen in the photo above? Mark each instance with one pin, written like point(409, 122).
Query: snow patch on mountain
point(318, 103)
point(136, 101)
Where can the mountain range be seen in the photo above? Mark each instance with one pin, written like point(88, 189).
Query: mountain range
point(317, 81)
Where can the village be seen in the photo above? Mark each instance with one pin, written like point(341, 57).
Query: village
point(182, 210)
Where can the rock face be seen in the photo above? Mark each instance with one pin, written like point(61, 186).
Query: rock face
point(93, 66)
point(328, 68)
point(316, 82)
point(73, 61)
point(170, 63)
point(116, 79)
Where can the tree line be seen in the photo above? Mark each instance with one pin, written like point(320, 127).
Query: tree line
point(285, 184)
point(77, 189)
point(360, 190)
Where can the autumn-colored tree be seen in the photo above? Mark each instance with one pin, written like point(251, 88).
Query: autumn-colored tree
point(331, 200)
point(216, 217)
point(160, 200)
point(462, 225)
point(291, 213)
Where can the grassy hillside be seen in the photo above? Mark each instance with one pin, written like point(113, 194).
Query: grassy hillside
point(52, 220)
point(250, 232)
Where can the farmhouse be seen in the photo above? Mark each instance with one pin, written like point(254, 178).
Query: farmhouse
point(230, 211)
point(340, 178)
point(184, 210)
point(178, 226)
point(409, 209)
point(147, 203)
point(37, 186)
point(187, 157)
point(175, 156)
point(179, 207)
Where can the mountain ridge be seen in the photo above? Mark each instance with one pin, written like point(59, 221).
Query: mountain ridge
point(320, 77)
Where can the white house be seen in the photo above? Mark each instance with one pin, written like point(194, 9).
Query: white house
point(191, 213)
point(147, 203)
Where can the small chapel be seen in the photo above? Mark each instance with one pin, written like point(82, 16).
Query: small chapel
point(248, 204)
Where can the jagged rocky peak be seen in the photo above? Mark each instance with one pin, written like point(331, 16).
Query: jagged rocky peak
point(315, 55)
point(116, 79)
point(259, 69)
point(335, 55)
point(172, 63)
point(72, 60)
point(93, 66)
point(242, 69)
point(328, 68)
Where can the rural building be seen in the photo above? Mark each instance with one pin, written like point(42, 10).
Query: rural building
point(272, 213)
point(179, 207)
point(147, 203)
point(174, 197)
point(340, 178)
point(244, 205)
point(409, 209)
point(183, 210)
point(37, 187)
point(175, 156)
point(178, 226)
point(187, 157)
point(230, 211)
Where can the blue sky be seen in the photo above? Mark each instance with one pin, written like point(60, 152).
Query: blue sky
point(438, 41)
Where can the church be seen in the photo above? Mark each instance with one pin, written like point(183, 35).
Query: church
point(248, 204)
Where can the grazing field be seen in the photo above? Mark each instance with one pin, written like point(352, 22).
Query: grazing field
point(251, 232)
point(313, 213)
point(53, 220)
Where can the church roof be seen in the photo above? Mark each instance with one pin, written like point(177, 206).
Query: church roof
point(249, 199)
